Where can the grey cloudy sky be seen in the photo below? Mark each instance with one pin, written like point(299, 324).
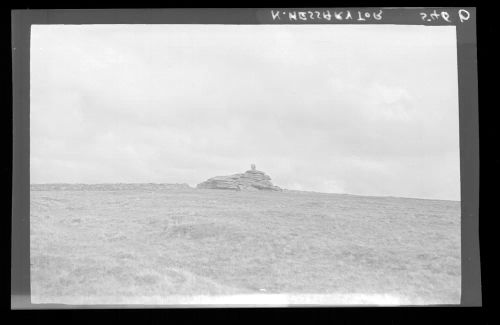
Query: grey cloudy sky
point(369, 110)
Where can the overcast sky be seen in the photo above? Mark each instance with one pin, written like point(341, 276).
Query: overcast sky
point(369, 110)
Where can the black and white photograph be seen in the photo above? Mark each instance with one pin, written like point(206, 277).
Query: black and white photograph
point(255, 165)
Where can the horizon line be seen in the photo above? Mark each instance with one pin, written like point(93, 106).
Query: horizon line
point(285, 189)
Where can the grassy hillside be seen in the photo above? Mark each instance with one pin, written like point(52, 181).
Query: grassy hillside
point(147, 246)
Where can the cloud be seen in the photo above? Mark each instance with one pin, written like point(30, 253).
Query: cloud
point(367, 110)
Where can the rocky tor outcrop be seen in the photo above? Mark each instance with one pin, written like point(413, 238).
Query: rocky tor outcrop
point(251, 180)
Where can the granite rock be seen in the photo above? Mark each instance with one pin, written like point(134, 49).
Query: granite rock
point(251, 180)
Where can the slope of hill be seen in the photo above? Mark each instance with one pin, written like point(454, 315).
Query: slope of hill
point(182, 244)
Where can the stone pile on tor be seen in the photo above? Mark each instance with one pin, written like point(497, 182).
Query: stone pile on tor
point(251, 180)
